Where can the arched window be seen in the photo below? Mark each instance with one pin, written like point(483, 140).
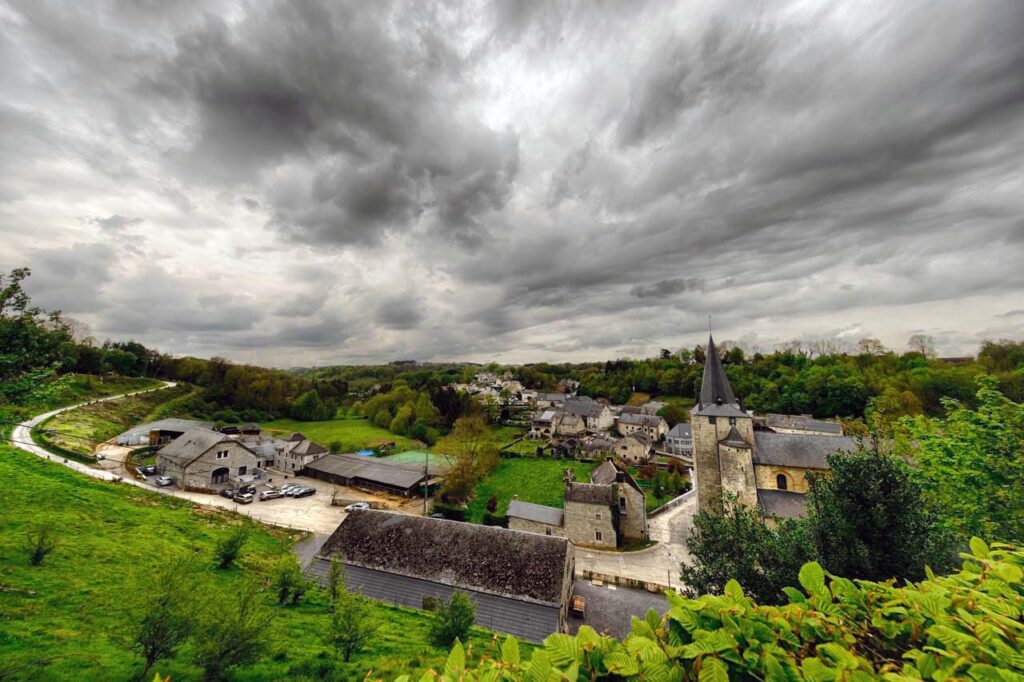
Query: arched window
point(781, 482)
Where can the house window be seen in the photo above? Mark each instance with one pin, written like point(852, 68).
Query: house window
point(223, 454)
point(598, 515)
point(547, 531)
point(622, 503)
point(781, 483)
point(241, 471)
point(711, 420)
point(732, 421)
point(597, 535)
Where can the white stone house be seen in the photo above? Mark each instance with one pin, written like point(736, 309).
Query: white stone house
point(654, 426)
point(201, 458)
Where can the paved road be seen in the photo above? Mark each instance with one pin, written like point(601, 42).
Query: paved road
point(313, 513)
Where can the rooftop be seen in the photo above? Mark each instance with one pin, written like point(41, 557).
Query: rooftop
point(589, 493)
point(784, 504)
point(507, 563)
point(802, 450)
point(192, 444)
point(681, 430)
point(539, 513)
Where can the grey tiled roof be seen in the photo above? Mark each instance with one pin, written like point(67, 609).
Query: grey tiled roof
point(803, 422)
point(181, 425)
point(681, 430)
point(584, 408)
point(640, 419)
point(514, 564)
point(734, 440)
point(714, 387)
point(782, 503)
point(806, 451)
point(552, 516)
point(191, 444)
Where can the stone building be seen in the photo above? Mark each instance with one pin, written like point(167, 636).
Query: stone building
point(201, 458)
point(651, 424)
point(602, 513)
point(760, 466)
point(635, 448)
point(679, 440)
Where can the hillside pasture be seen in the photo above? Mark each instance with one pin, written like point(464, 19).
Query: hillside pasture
point(342, 435)
point(540, 481)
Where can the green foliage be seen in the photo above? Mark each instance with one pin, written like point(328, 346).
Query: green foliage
point(289, 583)
point(534, 480)
point(963, 626)
point(452, 620)
point(164, 617)
point(229, 632)
point(308, 407)
point(40, 542)
point(353, 625)
point(970, 462)
point(869, 519)
point(733, 543)
point(335, 580)
point(229, 548)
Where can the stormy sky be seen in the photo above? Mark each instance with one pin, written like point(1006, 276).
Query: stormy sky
point(296, 182)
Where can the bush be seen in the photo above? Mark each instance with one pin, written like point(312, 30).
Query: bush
point(229, 549)
point(452, 620)
point(962, 626)
point(495, 520)
point(451, 512)
point(40, 542)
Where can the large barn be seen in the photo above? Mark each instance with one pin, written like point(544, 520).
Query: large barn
point(374, 473)
point(521, 582)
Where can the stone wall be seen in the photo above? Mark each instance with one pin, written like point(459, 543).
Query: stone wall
point(633, 518)
point(583, 521)
point(199, 474)
point(535, 527)
point(706, 458)
point(766, 477)
point(738, 474)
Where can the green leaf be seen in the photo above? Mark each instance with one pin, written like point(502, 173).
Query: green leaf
point(562, 648)
point(733, 589)
point(540, 667)
point(510, 651)
point(812, 577)
point(621, 663)
point(456, 662)
point(713, 670)
point(978, 548)
point(795, 595)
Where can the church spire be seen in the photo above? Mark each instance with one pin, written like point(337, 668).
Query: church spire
point(715, 388)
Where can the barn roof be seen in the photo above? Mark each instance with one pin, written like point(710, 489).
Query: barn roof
point(801, 450)
point(170, 424)
point(507, 563)
point(374, 470)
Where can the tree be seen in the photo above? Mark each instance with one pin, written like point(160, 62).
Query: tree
point(868, 519)
point(164, 617)
point(40, 542)
point(870, 347)
point(229, 548)
point(288, 579)
point(352, 625)
point(473, 453)
point(230, 633)
point(923, 344)
point(335, 580)
point(969, 463)
point(452, 620)
point(732, 542)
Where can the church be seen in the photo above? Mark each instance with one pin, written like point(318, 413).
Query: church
point(762, 461)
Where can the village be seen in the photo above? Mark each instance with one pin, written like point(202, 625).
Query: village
point(602, 556)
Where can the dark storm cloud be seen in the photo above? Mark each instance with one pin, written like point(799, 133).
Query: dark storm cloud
point(668, 287)
point(71, 278)
point(402, 312)
point(332, 88)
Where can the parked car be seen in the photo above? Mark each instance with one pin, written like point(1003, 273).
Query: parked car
point(148, 470)
point(291, 486)
point(357, 505)
point(292, 490)
point(244, 498)
point(248, 488)
point(164, 481)
point(271, 494)
point(228, 493)
point(305, 492)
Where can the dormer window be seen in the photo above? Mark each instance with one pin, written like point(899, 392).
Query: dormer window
point(732, 421)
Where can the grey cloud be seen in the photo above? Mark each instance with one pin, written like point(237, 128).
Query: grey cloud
point(116, 223)
point(71, 278)
point(401, 312)
point(1012, 313)
point(668, 287)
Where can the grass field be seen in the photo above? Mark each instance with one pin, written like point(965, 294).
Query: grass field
point(81, 430)
point(502, 435)
point(66, 619)
point(534, 480)
point(416, 457)
point(348, 434)
point(70, 389)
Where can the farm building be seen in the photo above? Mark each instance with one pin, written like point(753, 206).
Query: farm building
point(521, 582)
point(373, 473)
point(159, 432)
point(201, 458)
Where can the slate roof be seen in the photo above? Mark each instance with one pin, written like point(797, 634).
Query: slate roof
point(373, 470)
point(802, 450)
point(589, 493)
point(583, 408)
point(803, 422)
point(600, 443)
point(181, 425)
point(639, 436)
point(546, 416)
point(785, 504)
point(734, 440)
point(681, 430)
point(190, 445)
point(552, 516)
point(714, 387)
point(640, 419)
point(507, 563)
point(607, 473)
point(307, 447)
point(552, 397)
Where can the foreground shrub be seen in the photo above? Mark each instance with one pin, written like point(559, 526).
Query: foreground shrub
point(965, 626)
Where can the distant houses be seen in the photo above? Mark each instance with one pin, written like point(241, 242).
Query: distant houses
point(520, 582)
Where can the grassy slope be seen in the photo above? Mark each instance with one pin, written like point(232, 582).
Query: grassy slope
point(534, 480)
point(74, 388)
point(82, 429)
point(352, 434)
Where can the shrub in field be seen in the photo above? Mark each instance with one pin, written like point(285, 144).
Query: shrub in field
point(964, 626)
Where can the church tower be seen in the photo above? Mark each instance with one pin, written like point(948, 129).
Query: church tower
point(723, 439)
